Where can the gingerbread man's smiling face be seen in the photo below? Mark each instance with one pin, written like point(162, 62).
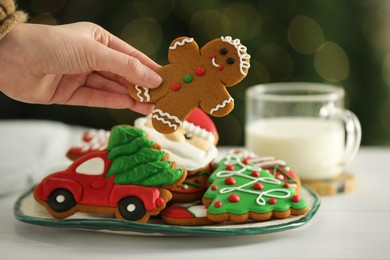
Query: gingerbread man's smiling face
point(229, 58)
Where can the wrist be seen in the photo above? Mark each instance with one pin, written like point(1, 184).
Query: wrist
point(9, 16)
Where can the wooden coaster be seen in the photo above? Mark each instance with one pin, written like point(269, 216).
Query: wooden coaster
point(341, 184)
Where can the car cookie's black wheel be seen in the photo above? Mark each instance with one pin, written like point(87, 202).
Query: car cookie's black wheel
point(61, 200)
point(131, 208)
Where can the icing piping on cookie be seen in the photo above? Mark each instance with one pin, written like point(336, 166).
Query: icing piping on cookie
point(214, 63)
point(219, 106)
point(241, 51)
point(199, 131)
point(165, 114)
point(273, 193)
point(181, 43)
point(139, 92)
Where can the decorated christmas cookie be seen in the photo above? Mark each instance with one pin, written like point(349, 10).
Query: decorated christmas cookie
point(186, 214)
point(129, 179)
point(92, 140)
point(192, 189)
point(195, 78)
point(243, 188)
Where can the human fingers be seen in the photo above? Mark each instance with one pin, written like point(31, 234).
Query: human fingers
point(103, 58)
point(91, 97)
point(114, 77)
point(98, 81)
point(103, 36)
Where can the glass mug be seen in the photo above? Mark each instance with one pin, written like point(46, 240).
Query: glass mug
point(304, 124)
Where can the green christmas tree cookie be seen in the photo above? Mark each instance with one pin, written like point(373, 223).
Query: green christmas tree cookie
point(138, 160)
point(241, 190)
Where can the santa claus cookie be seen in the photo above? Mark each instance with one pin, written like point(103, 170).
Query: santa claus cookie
point(195, 78)
point(193, 147)
point(241, 189)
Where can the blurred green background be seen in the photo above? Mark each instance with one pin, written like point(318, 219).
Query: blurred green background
point(346, 43)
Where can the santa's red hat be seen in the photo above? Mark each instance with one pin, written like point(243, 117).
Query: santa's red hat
point(199, 123)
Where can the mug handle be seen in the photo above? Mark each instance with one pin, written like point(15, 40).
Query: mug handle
point(352, 127)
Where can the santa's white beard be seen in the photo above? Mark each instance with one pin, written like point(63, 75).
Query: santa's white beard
point(184, 154)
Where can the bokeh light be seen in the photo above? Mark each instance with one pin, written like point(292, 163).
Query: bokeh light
point(245, 21)
point(277, 61)
point(159, 10)
point(304, 34)
point(144, 34)
point(376, 29)
point(331, 62)
point(209, 24)
point(386, 70)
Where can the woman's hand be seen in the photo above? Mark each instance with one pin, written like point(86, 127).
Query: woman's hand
point(75, 64)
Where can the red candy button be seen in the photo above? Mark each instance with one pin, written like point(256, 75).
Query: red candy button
point(175, 86)
point(217, 204)
point(160, 202)
point(272, 201)
point(258, 186)
point(255, 174)
point(234, 198)
point(229, 168)
point(295, 198)
point(214, 187)
point(199, 71)
point(230, 181)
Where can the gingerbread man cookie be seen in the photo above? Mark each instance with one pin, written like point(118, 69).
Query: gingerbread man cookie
point(195, 78)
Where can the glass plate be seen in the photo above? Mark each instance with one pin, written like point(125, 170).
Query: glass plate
point(26, 209)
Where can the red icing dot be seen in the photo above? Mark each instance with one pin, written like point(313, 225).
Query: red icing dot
point(245, 161)
point(234, 198)
point(217, 204)
point(272, 201)
point(229, 168)
point(258, 186)
point(212, 56)
point(255, 173)
point(199, 71)
point(230, 181)
point(295, 198)
point(160, 202)
point(175, 86)
point(220, 67)
point(214, 187)
point(286, 185)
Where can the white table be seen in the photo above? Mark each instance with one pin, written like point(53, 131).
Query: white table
point(348, 226)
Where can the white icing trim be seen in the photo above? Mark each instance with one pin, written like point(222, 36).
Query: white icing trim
point(181, 43)
point(203, 133)
point(161, 116)
point(139, 92)
point(241, 51)
point(223, 104)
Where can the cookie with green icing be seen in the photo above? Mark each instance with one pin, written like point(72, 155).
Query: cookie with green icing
point(240, 189)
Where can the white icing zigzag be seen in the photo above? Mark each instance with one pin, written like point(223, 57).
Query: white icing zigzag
point(145, 92)
point(161, 116)
point(178, 43)
point(219, 106)
point(241, 50)
point(273, 193)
